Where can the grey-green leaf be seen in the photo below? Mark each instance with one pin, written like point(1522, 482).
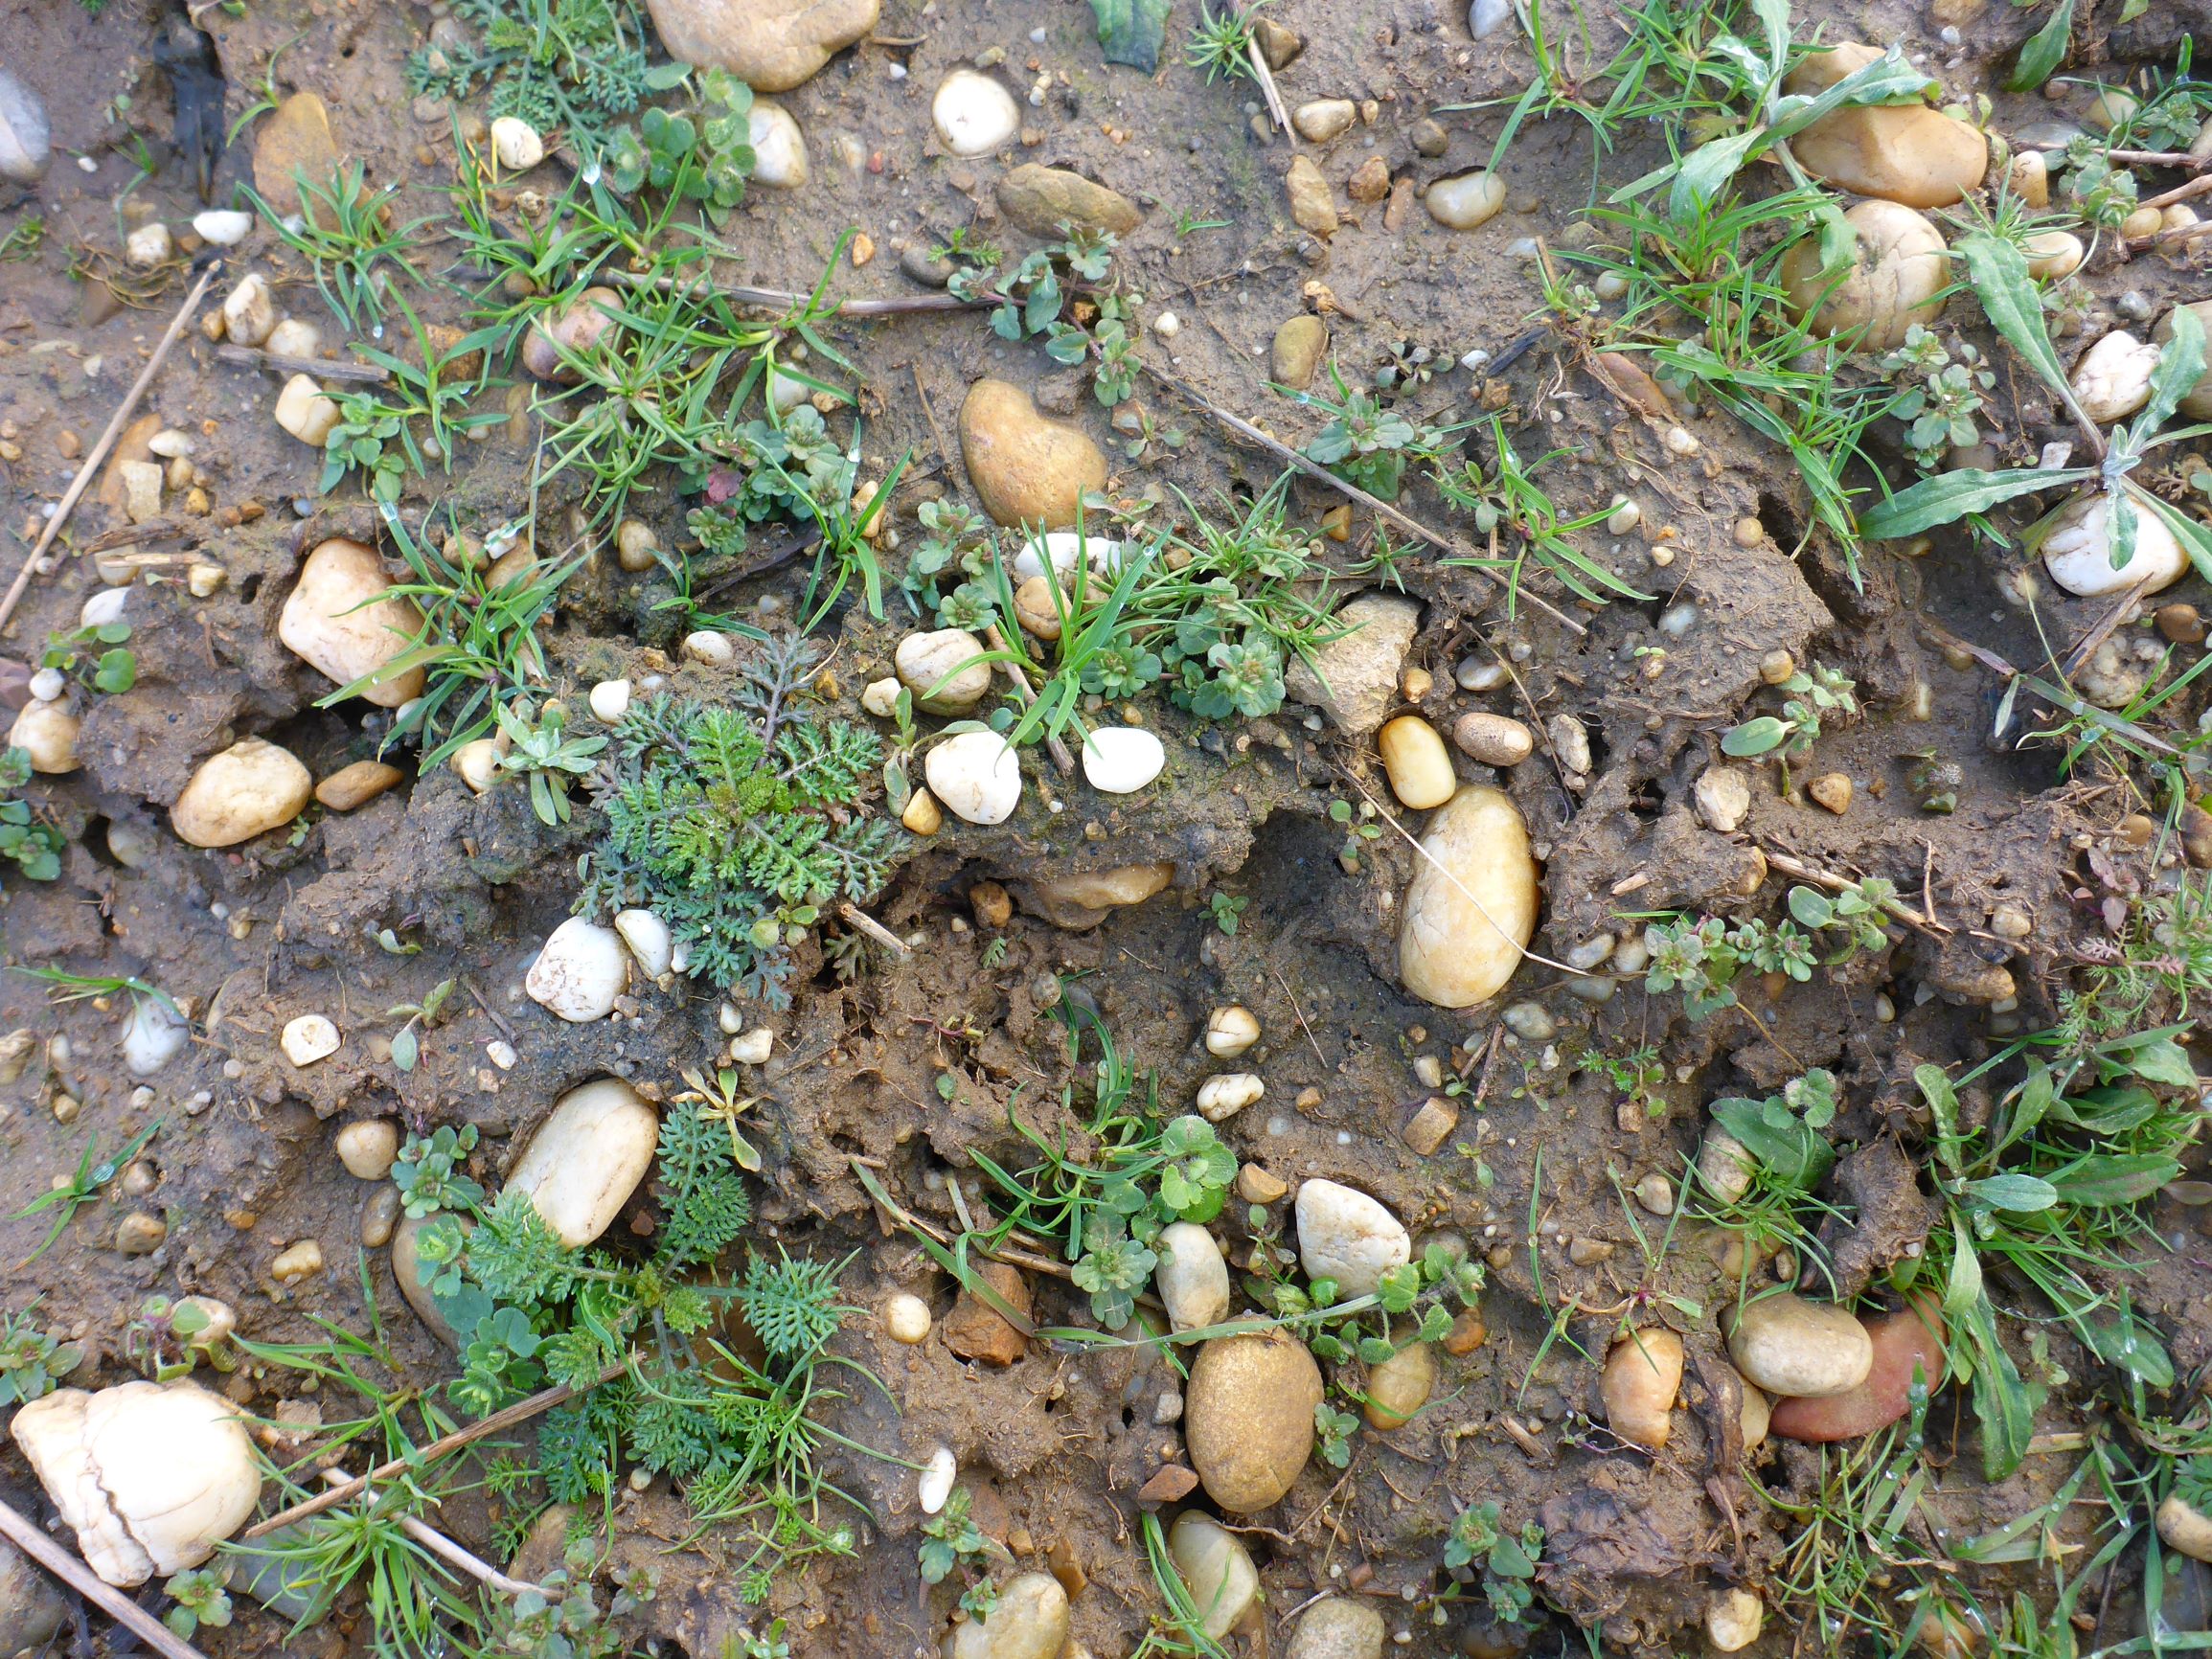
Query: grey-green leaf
point(1130, 31)
point(2181, 366)
point(1999, 274)
point(1949, 496)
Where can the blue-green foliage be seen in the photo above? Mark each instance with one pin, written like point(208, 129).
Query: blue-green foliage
point(737, 824)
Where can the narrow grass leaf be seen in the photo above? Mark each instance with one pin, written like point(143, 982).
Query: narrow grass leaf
point(1949, 496)
point(2045, 50)
point(1887, 80)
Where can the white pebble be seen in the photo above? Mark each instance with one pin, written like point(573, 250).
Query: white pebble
point(309, 1038)
point(579, 971)
point(517, 144)
point(935, 1485)
point(1121, 760)
point(1231, 1030)
point(1225, 1096)
point(1167, 325)
point(752, 1048)
point(222, 227)
point(974, 114)
point(907, 1318)
point(610, 700)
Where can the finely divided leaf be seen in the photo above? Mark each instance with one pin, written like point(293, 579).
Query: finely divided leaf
point(1130, 31)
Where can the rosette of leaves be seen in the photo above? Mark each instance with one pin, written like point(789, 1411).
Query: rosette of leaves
point(707, 159)
point(1479, 1545)
point(35, 847)
point(31, 1363)
point(737, 826)
point(1032, 298)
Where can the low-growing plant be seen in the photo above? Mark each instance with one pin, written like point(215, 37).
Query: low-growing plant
point(1702, 958)
point(707, 159)
point(417, 415)
point(82, 1187)
point(543, 751)
point(76, 653)
point(1999, 276)
point(1807, 698)
point(30, 843)
point(1480, 1548)
point(572, 67)
point(1941, 389)
point(354, 239)
point(951, 1541)
point(200, 1599)
point(32, 1362)
point(739, 826)
point(1366, 443)
point(1034, 303)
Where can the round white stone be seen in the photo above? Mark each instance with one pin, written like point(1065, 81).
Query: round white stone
point(649, 939)
point(610, 700)
point(223, 227)
point(517, 144)
point(977, 776)
point(974, 115)
point(1121, 760)
point(1346, 1235)
point(580, 973)
point(309, 1038)
point(778, 148)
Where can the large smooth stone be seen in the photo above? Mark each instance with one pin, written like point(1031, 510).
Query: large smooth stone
point(1907, 153)
point(1798, 1349)
point(1217, 1570)
point(976, 775)
point(1897, 276)
point(1901, 1341)
point(579, 971)
point(337, 620)
point(26, 144)
point(248, 789)
point(771, 45)
point(2076, 548)
point(1191, 1277)
point(408, 1271)
point(1029, 1620)
point(150, 1476)
point(1299, 346)
point(1027, 470)
point(587, 1158)
point(1472, 907)
point(1249, 1418)
point(1043, 200)
point(1346, 1235)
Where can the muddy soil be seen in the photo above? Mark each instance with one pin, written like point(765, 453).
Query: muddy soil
point(913, 1069)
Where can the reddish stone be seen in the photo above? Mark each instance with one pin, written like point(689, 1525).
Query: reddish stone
point(1910, 1336)
point(1172, 1483)
point(974, 1330)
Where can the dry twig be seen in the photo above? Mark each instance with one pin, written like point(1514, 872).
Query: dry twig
point(82, 1579)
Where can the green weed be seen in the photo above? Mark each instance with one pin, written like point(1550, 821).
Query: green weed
point(353, 238)
point(572, 66)
point(28, 842)
point(32, 1362)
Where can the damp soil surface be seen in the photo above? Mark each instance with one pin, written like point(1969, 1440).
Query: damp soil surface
point(914, 1069)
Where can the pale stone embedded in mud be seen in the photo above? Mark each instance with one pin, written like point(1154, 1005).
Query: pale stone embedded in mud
point(1353, 679)
point(518, 145)
point(588, 1156)
point(1296, 352)
point(1897, 272)
point(1906, 1343)
point(1323, 119)
point(1467, 201)
point(150, 1476)
point(1217, 1570)
point(2113, 380)
point(944, 670)
point(1339, 1627)
point(907, 1318)
point(26, 135)
point(1724, 1166)
point(1791, 1347)
point(577, 328)
point(579, 970)
point(973, 114)
point(1417, 764)
point(249, 312)
point(154, 1035)
point(1042, 199)
point(1191, 1277)
point(1642, 1375)
point(222, 227)
point(1084, 899)
point(937, 1477)
point(649, 939)
point(246, 790)
point(1029, 1620)
point(1907, 153)
point(976, 775)
point(47, 733)
point(1722, 798)
point(1400, 1386)
point(778, 148)
point(305, 411)
point(1027, 470)
point(1223, 1096)
point(340, 619)
point(355, 785)
point(1349, 1236)
point(771, 45)
point(1472, 908)
point(2075, 544)
point(308, 1038)
point(1249, 1418)
point(368, 1148)
point(1313, 205)
point(1231, 1030)
point(1734, 1618)
point(1121, 760)
point(609, 701)
point(2185, 1528)
point(752, 1048)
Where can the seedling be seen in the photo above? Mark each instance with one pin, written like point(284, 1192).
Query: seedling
point(1228, 910)
point(1798, 728)
point(93, 1172)
point(406, 1045)
point(112, 671)
point(200, 1599)
point(544, 753)
point(1220, 43)
point(951, 1540)
point(1505, 1563)
point(1941, 391)
point(32, 845)
point(353, 238)
point(31, 1363)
